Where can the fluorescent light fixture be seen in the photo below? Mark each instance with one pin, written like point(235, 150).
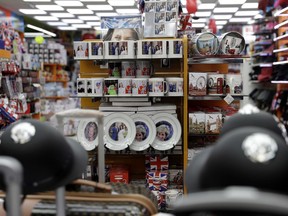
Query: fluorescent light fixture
point(97, 27)
point(222, 17)
point(128, 11)
point(246, 13)
point(242, 19)
point(200, 20)
point(46, 18)
point(106, 14)
point(229, 2)
point(281, 24)
point(90, 18)
point(219, 27)
point(280, 62)
point(258, 16)
point(100, 7)
point(67, 28)
point(121, 2)
point(57, 23)
point(225, 9)
point(92, 0)
point(69, 3)
point(62, 15)
point(198, 25)
point(253, 5)
point(285, 49)
point(81, 26)
point(50, 7)
point(93, 23)
point(206, 6)
point(34, 34)
point(279, 81)
point(183, 2)
point(80, 11)
point(221, 22)
point(36, 0)
point(203, 14)
point(41, 30)
point(32, 11)
point(184, 10)
point(72, 20)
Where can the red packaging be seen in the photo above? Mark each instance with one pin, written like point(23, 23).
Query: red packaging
point(119, 174)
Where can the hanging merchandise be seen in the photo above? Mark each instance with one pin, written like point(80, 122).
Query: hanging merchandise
point(280, 3)
point(212, 25)
point(191, 6)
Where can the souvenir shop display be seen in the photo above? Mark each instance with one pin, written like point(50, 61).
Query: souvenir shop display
point(151, 49)
point(81, 87)
point(119, 49)
point(231, 43)
point(96, 49)
point(81, 50)
point(87, 134)
point(128, 69)
point(175, 86)
point(125, 87)
point(205, 43)
point(97, 86)
point(197, 84)
point(110, 87)
point(234, 84)
point(175, 48)
point(215, 83)
point(157, 86)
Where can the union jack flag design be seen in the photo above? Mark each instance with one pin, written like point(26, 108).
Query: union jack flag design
point(158, 163)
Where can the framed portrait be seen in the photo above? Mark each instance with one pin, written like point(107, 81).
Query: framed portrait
point(96, 49)
point(80, 50)
point(175, 48)
point(168, 131)
point(120, 131)
point(87, 134)
point(145, 132)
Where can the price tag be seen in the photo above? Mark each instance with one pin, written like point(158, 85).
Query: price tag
point(229, 99)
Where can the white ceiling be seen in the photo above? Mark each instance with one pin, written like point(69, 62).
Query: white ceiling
point(223, 13)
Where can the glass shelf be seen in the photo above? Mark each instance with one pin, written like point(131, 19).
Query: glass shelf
point(285, 49)
point(217, 59)
point(217, 97)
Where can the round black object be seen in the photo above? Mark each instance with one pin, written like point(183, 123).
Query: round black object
point(48, 158)
point(260, 119)
point(249, 156)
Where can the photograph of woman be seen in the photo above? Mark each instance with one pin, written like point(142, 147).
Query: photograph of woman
point(91, 131)
point(122, 34)
point(142, 131)
point(164, 131)
point(118, 131)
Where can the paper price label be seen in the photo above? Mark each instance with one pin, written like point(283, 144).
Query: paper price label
point(229, 99)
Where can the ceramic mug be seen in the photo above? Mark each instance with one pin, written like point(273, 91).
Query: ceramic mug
point(234, 84)
point(110, 87)
point(175, 86)
point(97, 86)
point(157, 86)
point(139, 87)
point(124, 87)
point(128, 69)
point(143, 69)
point(171, 197)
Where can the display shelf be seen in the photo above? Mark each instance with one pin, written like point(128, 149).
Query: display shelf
point(217, 59)
point(202, 135)
point(262, 65)
point(285, 37)
point(55, 97)
point(281, 12)
point(216, 97)
point(55, 80)
point(279, 81)
point(4, 54)
point(264, 32)
point(285, 49)
point(281, 25)
point(280, 62)
point(263, 42)
point(262, 54)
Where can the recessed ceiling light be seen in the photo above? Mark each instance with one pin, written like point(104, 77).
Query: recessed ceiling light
point(201, 20)
point(258, 16)
point(222, 17)
point(253, 5)
point(106, 14)
point(46, 18)
point(242, 19)
point(184, 10)
point(93, 23)
point(50, 7)
point(81, 26)
point(205, 6)
point(219, 27)
point(36, 0)
point(91, 18)
point(32, 11)
point(67, 28)
point(128, 11)
point(97, 28)
point(221, 22)
point(225, 10)
point(62, 15)
point(80, 11)
point(72, 20)
point(121, 3)
point(92, 0)
point(69, 3)
point(35, 34)
point(203, 14)
point(57, 23)
point(100, 7)
point(41, 30)
point(198, 25)
point(246, 13)
point(234, 2)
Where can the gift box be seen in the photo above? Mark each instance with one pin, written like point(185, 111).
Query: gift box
point(197, 123)
point(197, 84)
point(159, 163)
point(213, 123)
point(119, 174)
point(157, 180)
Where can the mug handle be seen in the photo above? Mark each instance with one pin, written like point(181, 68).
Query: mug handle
point(165, 87)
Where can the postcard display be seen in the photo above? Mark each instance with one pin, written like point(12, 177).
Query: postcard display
point(160, 18)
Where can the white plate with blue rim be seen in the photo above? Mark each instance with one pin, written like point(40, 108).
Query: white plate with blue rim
point(145, 132)
point(168, 131)
point(119, 131)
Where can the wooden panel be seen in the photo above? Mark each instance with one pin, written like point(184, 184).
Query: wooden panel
point(222, 68)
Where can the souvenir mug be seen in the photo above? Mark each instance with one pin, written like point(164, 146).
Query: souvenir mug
point(97, 86)
point(110, 87)
point(139, 87)
point(124, 87)
point(143, 69)
point(171, 197)
point(157, 87)
point(128, 69)
point(234, 84)
point(81, 86)
point(215, 83)
point(175, 86)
